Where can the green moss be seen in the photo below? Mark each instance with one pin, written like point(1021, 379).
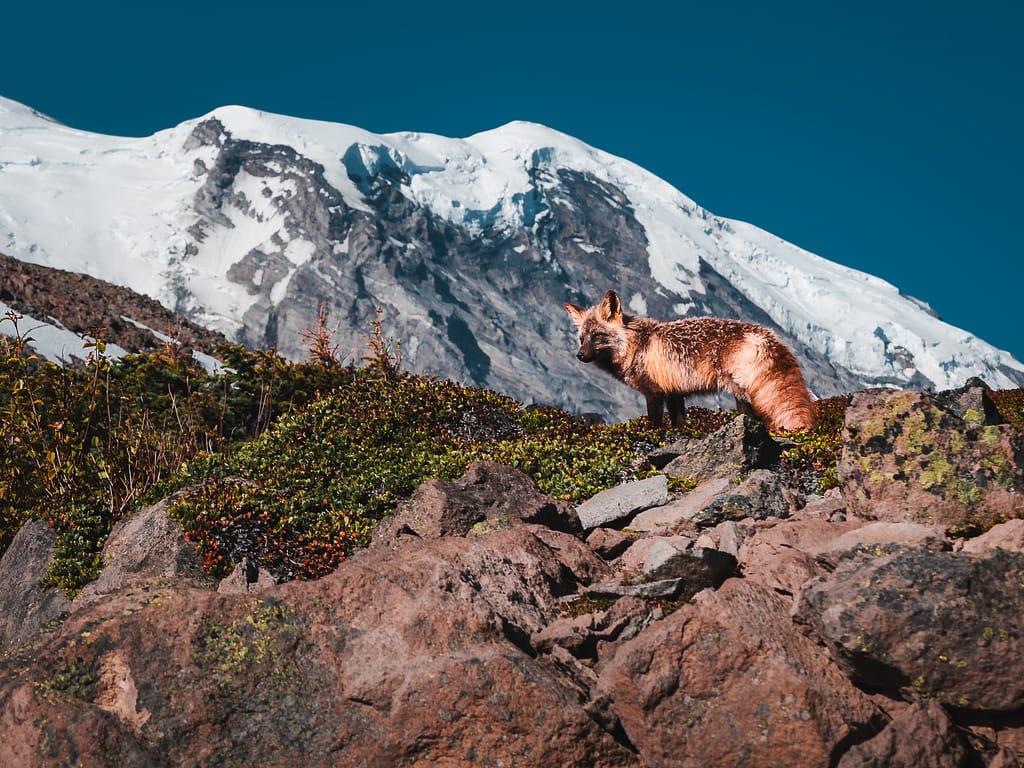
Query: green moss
point(938, 471)
point(991, 434)
point(584, 605)
point(71, 681)
point(917, 427)
point(254, 647)
point(957, 443)
point(974, 417)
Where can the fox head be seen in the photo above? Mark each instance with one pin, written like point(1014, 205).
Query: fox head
point(601, 329)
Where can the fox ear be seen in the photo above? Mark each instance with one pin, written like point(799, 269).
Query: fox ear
point(576, 314)
point(610, 308)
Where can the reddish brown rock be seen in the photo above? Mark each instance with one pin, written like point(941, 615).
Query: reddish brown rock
point(609, 543)
point(922, 735)
point(879, 537)
point(418, 656)
point(729, 681)
point(487, 492)
point(80, 303)
point(1008, 536)
point(782, 556)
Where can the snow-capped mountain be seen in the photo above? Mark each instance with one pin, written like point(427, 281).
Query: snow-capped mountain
point(248, 222)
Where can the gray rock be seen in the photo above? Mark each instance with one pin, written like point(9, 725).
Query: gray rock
point(667, 589)
point(695, 564)
point(678, 514)
point(26, 607)
point(716, 500)
point(146, 545)
point(622, 501)
point(672, 572)
point(739, 447)
point(759, 497)
point(921, 623)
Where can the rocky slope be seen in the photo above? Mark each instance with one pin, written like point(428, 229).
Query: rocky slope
point(741, 622)
point(59, 309)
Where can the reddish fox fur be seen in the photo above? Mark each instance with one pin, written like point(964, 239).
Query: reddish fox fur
point(666, 360)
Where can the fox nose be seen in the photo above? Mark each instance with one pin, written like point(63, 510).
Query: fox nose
point(582, 356)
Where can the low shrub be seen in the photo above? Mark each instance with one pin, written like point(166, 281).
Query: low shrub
point(312, 487)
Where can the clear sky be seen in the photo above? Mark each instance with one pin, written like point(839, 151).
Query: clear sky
point(884, 135)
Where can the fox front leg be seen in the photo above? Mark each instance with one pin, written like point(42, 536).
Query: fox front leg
point(655, 408)
point(676, 409)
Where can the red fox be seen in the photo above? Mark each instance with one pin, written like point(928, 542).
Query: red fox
point(666, 360)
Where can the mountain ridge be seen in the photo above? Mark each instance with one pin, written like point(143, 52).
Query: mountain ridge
point(249, 223)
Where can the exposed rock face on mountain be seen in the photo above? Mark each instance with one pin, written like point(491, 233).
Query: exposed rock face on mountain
point(743, 622)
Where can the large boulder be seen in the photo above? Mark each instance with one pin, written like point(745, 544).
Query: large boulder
point(417, 656)
point(926, 623)
point(729, 680)
point(905, 457)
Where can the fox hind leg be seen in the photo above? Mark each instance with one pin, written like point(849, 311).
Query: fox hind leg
point(676, 409)
point(655, 408)
point(744, 406)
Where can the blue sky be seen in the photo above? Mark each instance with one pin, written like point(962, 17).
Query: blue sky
point(885, 136)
